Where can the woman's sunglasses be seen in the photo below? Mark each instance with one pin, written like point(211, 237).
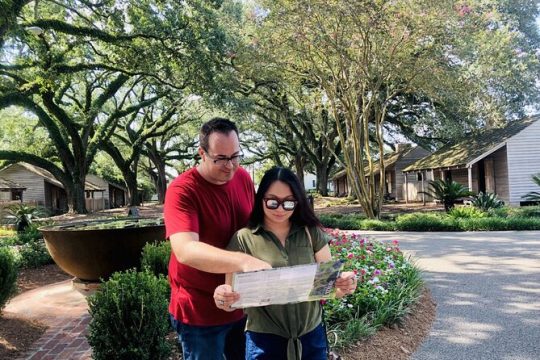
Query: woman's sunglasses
point(273, 204)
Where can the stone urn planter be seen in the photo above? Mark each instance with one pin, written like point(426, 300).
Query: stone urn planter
point(95, 249)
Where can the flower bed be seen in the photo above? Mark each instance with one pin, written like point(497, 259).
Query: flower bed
point(388, 285)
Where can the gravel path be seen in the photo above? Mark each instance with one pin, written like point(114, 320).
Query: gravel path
point(487, 289)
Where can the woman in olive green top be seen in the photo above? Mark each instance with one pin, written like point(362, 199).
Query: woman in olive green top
point(283, 231)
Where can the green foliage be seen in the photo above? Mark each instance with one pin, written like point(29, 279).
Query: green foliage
point(424, 222)
point(8, 276)
point(129, 317)
point(458, 219)
point(446, 192)
point(486, 201)
point(466, 212)
point(533, 195)
point(526, 211)
point(155, 257)
point(31, 233)
point(23, 215)
point(33, 254)
point(388, 285)
point(338, 221)
point(6, 232)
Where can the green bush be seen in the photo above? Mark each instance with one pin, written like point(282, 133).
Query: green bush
point(466, 212)
point(377, 225)
point(502, 212)
point(33, 254)
point(526, 211)
point(155, 257)
point(8, 276)
point(129, 317)
point(424, 222)
point(344, 222)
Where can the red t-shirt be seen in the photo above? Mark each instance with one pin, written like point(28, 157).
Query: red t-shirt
point(215, 212)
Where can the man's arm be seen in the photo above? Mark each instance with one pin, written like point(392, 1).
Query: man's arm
point(190, 251)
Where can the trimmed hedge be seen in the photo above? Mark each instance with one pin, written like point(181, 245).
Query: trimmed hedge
point(434, 222)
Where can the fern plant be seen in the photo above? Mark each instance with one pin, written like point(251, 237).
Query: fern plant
point(447, 192)
point(533, 195)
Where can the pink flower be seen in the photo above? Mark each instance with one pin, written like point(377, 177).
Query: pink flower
point(388, 249)
point(395, 242)
point(350, 255)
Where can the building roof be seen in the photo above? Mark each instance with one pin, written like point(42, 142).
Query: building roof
point(6, 184)
point(471, 149)
point(88, 186)
point(390, 160)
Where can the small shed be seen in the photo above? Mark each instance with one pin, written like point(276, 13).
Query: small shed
point(43, 189)
point(500, 161)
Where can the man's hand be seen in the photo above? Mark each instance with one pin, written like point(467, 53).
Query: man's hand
point(224, 297)
point(346, 284)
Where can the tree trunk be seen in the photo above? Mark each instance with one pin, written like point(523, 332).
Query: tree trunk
point(299, 166)
point(322, 180)
point(76, 197)
point(131, 183)
point(161, 183)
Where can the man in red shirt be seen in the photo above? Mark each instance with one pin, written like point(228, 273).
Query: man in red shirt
point(204, 207)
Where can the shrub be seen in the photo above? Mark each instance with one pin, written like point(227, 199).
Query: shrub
point(377, 225)
point(129, 317)
point(486, 201)
point(8, 276)
point(526, 211)
point(345, 222)
point(155, 257)
point(424, 222)
point(502, 212)
point(33, 254)
point(466, 212)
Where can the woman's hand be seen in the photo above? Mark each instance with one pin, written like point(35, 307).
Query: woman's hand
point(346, 284)
point(224, 297)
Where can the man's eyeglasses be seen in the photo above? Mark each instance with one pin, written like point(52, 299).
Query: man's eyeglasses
point(222, 160)
point(273, 204)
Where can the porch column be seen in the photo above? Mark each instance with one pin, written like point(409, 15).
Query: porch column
point(406, 188)
point(469, 171)
point(423, 194)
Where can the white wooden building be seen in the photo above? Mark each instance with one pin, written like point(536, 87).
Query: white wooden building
point(41, 188)
point(500, 161)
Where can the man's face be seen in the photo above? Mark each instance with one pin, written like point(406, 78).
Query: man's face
point(220, 146)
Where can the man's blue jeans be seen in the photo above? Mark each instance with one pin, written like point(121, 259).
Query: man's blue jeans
point(211, 342)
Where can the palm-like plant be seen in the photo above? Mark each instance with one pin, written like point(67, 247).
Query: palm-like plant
point(533, 195)
point(486, 201)
point(447, 192)
point(22, 215)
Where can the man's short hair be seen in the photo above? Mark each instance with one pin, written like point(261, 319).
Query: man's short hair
point(217, 124)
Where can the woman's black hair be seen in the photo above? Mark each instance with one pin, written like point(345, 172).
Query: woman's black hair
point(303, 214)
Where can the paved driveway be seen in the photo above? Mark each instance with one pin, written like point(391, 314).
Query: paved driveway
point(487, 289)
